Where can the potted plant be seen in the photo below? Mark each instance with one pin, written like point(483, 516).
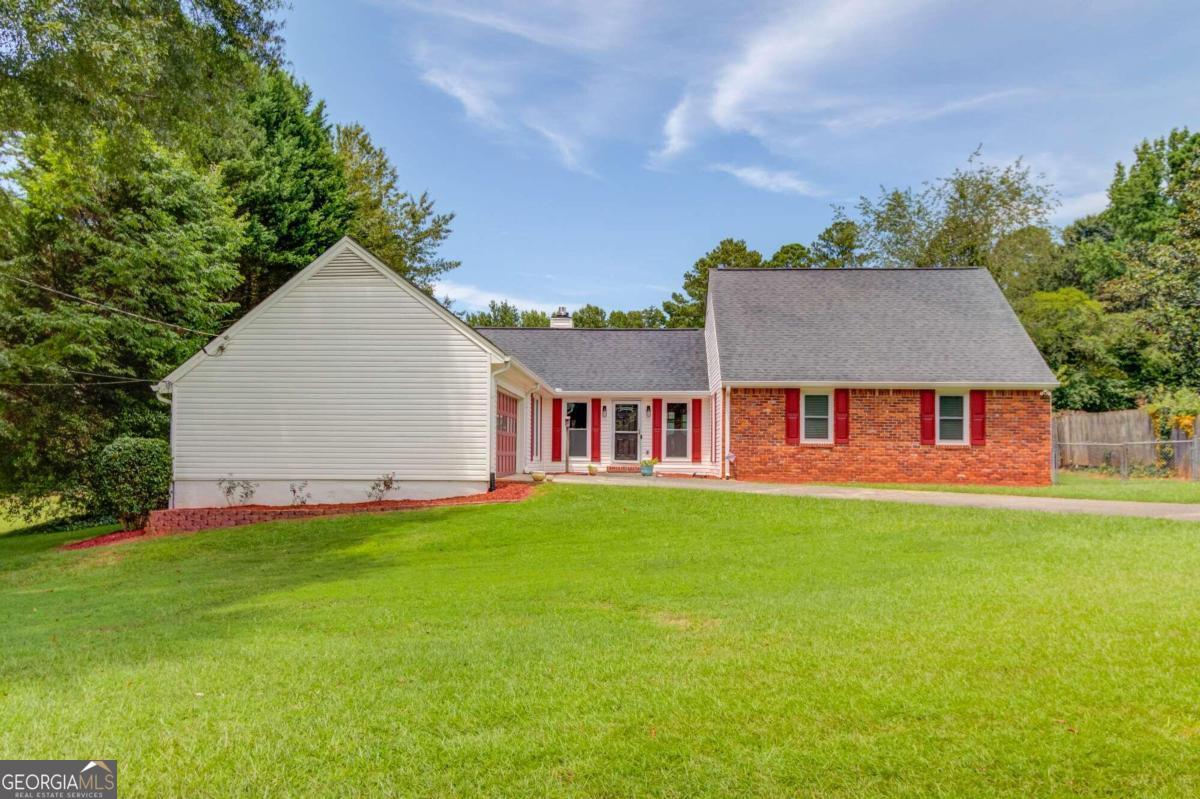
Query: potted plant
point(648, 465)
point(593, 470)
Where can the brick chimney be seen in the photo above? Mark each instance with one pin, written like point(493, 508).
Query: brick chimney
point(561, 318)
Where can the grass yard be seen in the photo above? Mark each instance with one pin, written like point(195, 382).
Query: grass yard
point(599, 641)
point(1076, 485)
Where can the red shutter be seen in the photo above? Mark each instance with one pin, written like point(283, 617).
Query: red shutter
point(841, 416)
point(595, 429)
point(532, 425)
point(556, 431)
point(928, 432)
point(791, 410)
point(978, 418)
point(657, 429)
point(697, 421)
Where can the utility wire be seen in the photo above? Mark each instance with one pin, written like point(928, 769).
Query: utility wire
point(107, 307)
point(112, 380)
point(122, 378)
point(106, 383)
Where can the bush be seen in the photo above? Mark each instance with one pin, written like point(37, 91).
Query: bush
point(132, 478)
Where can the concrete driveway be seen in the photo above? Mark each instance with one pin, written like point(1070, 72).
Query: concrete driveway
point(1099, 507)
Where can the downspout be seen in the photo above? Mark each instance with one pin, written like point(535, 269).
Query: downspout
point(725, 435)
point(492, 422)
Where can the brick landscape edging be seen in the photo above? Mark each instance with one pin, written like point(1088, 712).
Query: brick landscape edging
point(187, 520)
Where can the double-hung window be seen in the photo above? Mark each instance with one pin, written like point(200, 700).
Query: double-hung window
point(816, 426)
point(951, 421)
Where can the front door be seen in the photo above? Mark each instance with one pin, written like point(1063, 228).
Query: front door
point(506, 434)
point(577, 430)
point(625, 431)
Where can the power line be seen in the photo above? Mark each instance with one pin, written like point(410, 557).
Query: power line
point(114, 380)
point(108, 307)
point(74, 385)
point(122, 378)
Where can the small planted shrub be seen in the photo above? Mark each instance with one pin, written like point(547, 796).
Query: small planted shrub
point(300, 493)
point(239, 491)
point(382, 486)
point(133, 477)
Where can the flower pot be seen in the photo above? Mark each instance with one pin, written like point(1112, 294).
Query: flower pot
point(538, 476)
point(647, 471)
point(592, 470)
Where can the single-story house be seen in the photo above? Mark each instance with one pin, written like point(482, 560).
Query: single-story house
point(350, 377)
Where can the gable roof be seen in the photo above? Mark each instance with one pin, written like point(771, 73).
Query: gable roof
point(871, 326)
point(347, 258)
point(589, 360)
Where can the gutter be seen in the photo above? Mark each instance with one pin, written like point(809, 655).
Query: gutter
point(162, 391)
point(854, 384)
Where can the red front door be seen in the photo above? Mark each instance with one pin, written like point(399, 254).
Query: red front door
point(506, 434)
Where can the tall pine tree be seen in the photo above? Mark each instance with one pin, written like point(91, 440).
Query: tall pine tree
point(287, 182)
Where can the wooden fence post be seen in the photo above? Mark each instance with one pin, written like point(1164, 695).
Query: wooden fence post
point(1196, 454)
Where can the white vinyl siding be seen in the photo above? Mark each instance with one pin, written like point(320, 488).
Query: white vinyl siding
point(710, 346)
point(347, 376)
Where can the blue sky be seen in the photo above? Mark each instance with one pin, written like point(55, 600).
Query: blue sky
point(592, 151)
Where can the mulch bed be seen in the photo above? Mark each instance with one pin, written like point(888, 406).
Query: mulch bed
point(505, 492)
point(107, 538)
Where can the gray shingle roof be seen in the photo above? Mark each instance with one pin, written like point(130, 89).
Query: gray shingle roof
point(585, 360)
point(870, 326)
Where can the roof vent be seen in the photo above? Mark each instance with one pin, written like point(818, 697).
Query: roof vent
point(561, 318)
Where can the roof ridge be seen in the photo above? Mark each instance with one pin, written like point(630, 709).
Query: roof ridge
point(773, 270)
point(597, 329)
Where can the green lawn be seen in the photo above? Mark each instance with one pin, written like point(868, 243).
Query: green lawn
point(1076, 485)
point(598, 641)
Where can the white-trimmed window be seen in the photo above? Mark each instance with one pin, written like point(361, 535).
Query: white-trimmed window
point(816, 422)
point(952, 418)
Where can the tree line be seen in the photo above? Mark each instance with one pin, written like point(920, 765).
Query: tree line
point(160, 163)
point(1112, 300)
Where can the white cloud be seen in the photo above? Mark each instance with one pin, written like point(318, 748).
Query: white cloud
point(774, 180)
point(677, 128)
point(1080, 205)
point(878, 115)
point(470, 297)
point(475, 98)
point(479, 86)
point(774, 70)
point(775, 85)
point(594, 25)
point(569, 149)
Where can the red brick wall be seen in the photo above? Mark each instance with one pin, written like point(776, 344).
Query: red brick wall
point(885, 442)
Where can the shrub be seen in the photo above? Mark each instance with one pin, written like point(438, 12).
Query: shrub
point(132, 478)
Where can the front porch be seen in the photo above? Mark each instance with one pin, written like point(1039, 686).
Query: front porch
point(614, 432)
